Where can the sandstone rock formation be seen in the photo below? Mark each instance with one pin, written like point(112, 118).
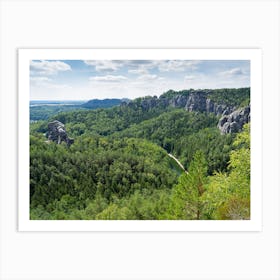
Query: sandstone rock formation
point(199, 101)
point(234, 122)
point(196, 101)
point(178, 101)
point(57, 133)
point(148, 103)
point(231, 118)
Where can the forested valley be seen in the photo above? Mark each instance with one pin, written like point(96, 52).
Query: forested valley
point(122, 164)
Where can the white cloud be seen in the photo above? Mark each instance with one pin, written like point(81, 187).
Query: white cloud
point(120, 86)
point(217, 80)
point(233, 72)
point(45, 82)
point(148, 77)
point(58, 86)
point(189, 77)
point(140, 71)
point(137, 66)
point(46, 67)
point(177, 65)
point(40, 79)
point(142, 67)
point(107, 78)
point(166, 65)
point(105, 65)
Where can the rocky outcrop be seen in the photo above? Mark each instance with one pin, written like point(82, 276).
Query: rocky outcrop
point(179, 101)
point(149, 102)
point(196, 101)
point(57, 133)
point(199, 101)
point(231, 118)
point(218, 109)
point(234, 122)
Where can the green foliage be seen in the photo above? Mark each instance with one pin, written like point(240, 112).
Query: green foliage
point(44, 112)
point(183, 133)
point(171, 93)
point(105, 103)
point(186, 195)
point(228, 195)
point(239, 97)
point(118, 167)
point(145, 205)
point(95, 165)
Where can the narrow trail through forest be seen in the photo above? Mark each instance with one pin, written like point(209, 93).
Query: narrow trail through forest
point(178, 162)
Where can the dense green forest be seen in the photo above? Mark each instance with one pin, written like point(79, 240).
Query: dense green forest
point(120, 164)
point(44, 112)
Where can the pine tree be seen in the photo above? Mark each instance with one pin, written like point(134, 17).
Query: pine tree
point(186, 196)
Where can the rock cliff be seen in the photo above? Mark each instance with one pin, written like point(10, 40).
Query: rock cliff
point(234, 122)
point(57, 133)
point(199, 101)
point(178, 101)
point(196, 101)
point(231, 119)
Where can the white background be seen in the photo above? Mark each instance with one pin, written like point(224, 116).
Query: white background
point(190, 24)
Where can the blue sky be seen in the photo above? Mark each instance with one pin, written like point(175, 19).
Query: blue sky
point(89, 79)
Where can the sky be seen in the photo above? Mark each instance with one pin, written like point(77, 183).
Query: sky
point(100, 79)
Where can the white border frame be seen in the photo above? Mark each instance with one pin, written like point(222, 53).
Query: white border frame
point(254, 55)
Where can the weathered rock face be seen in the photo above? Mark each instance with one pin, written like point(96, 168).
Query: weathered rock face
point(149, 103)
point(234, 122)
point(194, 102)
point(218, 109)
point(198, 101)
point(57, 133)
point(178, 101)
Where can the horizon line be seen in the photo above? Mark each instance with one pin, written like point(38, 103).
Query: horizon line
point(196, 89)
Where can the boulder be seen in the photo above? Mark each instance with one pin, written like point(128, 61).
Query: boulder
point(57, 133)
